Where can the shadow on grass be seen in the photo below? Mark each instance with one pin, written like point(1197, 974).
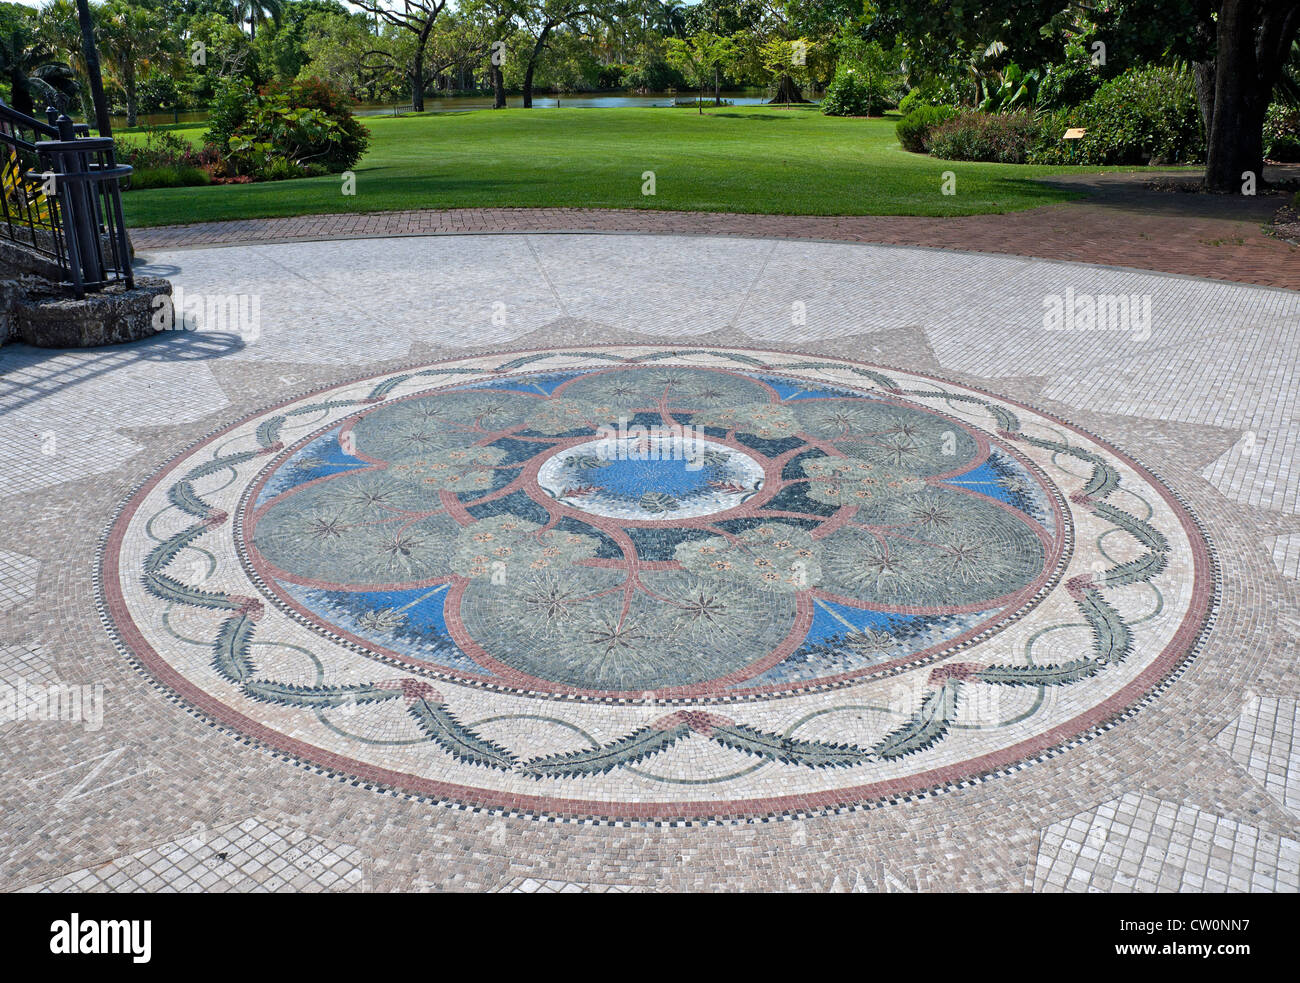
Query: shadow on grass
point(755, 116)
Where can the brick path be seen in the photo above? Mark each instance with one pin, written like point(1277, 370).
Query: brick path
point(1121, 223)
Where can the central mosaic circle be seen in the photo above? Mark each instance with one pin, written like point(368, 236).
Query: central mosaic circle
point(580, 580)
point(655, 476)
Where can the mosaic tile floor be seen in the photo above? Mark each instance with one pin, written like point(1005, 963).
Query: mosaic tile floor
point(556, 572)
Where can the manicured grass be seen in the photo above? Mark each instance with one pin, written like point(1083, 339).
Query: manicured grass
point(753, 159)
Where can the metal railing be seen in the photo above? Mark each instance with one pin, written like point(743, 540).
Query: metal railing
point(60, 198)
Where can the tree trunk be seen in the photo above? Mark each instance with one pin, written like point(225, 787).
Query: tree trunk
point(417, 69)
point(528, 86)
point(90, 53)
point(532, 65)
point(717, 91)
point(1203, 75)
point(1253, 43)
point(130, 94)
point(498, 88)
point(22, 93)
point(787, 92)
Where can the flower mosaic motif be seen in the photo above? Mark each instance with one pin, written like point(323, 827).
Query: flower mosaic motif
point(834, 496)
point(600, 528)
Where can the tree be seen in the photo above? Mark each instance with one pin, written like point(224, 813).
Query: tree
point(254, 12)
point(699, 57)
point(346, 54)
point(417, 17)
point(227, 53)
point(34, 72)
point(497, 19)
point(787, 63)
point(1238, 48)
point(132, 38)
point(1252, 44)
point(726, 17)
point(668, 17)
point(539, 18)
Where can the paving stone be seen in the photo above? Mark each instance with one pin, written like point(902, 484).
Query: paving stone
point(1183, 400)
point(1123, 846)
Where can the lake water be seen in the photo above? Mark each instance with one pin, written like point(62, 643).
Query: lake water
point(460, 104)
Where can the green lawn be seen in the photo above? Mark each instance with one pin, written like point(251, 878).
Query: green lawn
point(754, 159)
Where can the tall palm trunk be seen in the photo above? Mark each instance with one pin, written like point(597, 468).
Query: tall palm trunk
point(129, 86)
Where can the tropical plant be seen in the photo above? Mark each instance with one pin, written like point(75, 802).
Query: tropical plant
point(34, 73)
point(287, 130)
point(132, 39)
point(258, 12)
point(1010, 89)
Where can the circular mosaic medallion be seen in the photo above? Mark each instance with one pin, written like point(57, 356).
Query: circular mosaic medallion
point(638, 583)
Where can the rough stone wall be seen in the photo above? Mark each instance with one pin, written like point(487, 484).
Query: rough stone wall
point(110, 317)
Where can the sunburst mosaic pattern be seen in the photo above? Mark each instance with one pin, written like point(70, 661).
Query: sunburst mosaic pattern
point(643, 583)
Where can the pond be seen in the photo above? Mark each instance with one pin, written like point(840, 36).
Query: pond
point(460, 104)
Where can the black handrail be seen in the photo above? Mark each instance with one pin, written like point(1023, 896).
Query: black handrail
point(61, 198)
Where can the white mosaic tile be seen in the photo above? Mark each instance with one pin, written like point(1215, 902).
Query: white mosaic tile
point(529, 885)
point(1286, 555)
point(18, 575)
point(21, 667)
point(1140, 844)
point(1263, 740)
point(253, 856)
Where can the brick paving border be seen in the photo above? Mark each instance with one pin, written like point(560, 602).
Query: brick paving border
point(1121, 223)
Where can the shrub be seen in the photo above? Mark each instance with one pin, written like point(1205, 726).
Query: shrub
point(160, 148)
point(164, 160)
point(914, 129)
point(1143, 116)
point(230, 107)
point(928, 93)
point(304, 124)
point(352, 137)
point(613, 76)
point(279, 169)
point(856, 93)
point(169, 177)
point(1004, 138)
point(1282, 133)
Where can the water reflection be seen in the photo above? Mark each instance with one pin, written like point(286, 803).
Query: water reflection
point(460, 104)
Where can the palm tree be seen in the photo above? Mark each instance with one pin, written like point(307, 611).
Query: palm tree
point(254, 12)
point(670, 18)
point(34, 74)
point(131, 38)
